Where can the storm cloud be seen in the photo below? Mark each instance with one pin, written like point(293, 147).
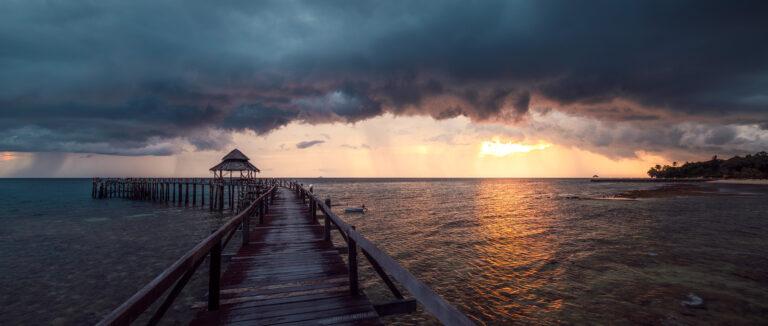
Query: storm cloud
point(143, 77)
point(309, 143)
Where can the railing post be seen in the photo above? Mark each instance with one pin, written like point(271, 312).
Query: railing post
point(313, 205)
point(314, 210)
point(261, 212)
point(214, 277)
point(327, 222)
point(246, 228)
point(352, 251)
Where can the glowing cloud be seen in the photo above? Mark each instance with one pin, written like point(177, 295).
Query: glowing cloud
point(496, 148)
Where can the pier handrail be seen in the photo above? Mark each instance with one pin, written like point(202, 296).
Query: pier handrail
point(440, 308)
point(183, 269)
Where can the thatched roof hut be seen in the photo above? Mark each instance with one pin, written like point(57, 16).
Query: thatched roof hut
point(235, 161)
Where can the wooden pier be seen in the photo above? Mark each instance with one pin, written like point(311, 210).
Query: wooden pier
point(221, 194)
point(287, 270)
point(289, 273)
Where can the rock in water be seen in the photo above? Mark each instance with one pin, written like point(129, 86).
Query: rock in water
point(694, 302)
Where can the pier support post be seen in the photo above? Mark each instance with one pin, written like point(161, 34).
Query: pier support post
point(194, 193)
point(221, 197)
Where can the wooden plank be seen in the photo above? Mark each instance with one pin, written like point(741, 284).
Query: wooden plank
point(287, 273)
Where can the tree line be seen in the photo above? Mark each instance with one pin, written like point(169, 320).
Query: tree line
point(737, 167)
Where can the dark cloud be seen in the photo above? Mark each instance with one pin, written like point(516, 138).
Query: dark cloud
point(307, 144)
point(143, 77)
point(348, 146)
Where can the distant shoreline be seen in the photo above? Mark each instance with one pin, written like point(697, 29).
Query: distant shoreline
point(661, 180)
point(763, 182)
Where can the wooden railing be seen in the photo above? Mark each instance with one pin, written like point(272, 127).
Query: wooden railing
point(382, 264)
point(182, 270)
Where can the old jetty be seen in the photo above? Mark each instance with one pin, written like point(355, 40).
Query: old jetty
point(287, 270)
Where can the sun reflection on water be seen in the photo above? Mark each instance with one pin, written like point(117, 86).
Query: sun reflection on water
point(515, 253)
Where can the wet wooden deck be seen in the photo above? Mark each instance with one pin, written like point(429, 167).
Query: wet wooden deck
point(288, 275)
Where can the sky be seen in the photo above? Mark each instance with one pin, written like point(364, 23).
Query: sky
point(379, 89)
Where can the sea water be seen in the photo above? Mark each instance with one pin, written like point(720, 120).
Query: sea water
point(530, 251)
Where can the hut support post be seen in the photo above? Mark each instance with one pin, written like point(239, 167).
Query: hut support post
point(221, 197)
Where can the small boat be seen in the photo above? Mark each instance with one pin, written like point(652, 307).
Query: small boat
point(361, 209)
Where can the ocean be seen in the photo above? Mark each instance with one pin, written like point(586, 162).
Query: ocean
point(526, 251)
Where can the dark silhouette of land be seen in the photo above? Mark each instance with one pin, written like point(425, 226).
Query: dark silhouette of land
point(747, 167)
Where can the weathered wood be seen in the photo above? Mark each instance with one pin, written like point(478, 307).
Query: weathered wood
point(327, 222)
point(354, 287)
point(139, 302)
point(180, 284)
point(431, 300)
point(287, 274)
point(214, 279)
point(246, 229)
point(221, 197)
point(402, 306)
point(383, 275)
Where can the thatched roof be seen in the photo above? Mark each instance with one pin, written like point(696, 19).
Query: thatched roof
point(235, 155)
point(235, 161)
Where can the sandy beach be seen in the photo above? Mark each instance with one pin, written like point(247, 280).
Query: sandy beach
point(672, 190)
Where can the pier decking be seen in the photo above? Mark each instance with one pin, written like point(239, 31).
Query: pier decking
point(288, 274)
point(287, 271)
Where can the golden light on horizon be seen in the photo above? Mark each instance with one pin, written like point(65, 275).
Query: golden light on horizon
point(7, 156)
point(496, 148)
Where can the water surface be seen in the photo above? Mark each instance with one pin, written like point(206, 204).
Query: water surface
point(501, 250)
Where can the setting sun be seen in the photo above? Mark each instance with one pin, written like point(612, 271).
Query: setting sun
point(496, 148)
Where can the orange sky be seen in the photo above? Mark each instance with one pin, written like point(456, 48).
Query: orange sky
point(381, 147)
